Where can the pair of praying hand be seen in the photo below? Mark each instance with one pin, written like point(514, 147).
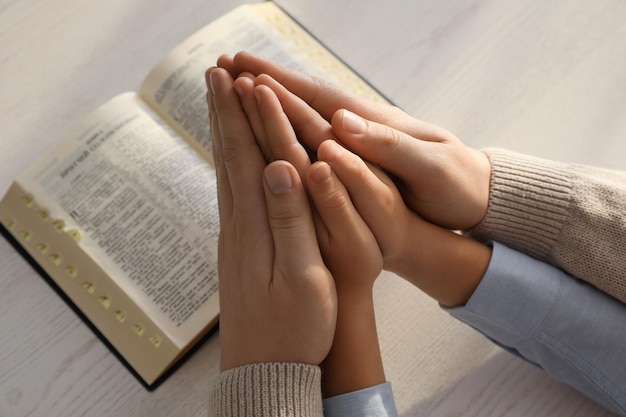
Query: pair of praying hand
point(302, 242)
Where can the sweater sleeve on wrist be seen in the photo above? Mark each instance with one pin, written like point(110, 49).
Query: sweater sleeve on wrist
point(528, 203)
point(571, 216)
point(268, 389)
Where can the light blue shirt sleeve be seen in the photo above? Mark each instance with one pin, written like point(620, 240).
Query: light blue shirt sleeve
point(376, 401)
point(573, 331)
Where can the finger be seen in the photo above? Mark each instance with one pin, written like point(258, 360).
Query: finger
point(309, 88)
point(240, 154)
point(244, 86)
point(310, 126)
point(281, 138)
point(216, 146)
point(372, 194)
point(340, 220)
point(326, 98)
point(224, 193)
point(400, 154)
point(291, 222)
point(226, 62)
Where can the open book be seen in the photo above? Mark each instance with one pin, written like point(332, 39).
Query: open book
point(122, 214)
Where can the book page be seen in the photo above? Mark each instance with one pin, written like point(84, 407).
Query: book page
point(145, 205)
point(176, 88)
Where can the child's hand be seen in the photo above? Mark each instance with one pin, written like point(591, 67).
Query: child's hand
point(445, 265)
point(352, 255)
point(348, 247)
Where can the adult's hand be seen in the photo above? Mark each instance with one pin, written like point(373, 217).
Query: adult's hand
point(440, 178)
point(277, 298)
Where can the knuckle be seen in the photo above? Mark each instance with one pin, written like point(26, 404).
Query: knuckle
point(391, 138)
point(388, 201)
point(392, 115)
point(322, 88)
point(285, 218)
point(319, 83)
point(388, 145)
point(334, 200)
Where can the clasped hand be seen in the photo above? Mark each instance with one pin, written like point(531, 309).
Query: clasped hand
point(278, 297)
point(278, 301)
point(284, 264)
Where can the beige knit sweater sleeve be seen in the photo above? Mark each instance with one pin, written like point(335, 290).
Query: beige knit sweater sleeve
point(268, 390)
point(571, 216)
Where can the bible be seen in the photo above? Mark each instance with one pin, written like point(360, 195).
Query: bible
point(121, 216)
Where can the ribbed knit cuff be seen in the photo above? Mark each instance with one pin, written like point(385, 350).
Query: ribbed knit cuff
point(529, 200)
point(268, 389)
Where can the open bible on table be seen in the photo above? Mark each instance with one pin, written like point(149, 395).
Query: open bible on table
point(121, 216)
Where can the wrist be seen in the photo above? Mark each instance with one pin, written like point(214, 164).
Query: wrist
point(445, 265)
point(482, 186)
point(354, 361)
point(357, 294)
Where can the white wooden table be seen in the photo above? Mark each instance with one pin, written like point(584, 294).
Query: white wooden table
point(546, 78)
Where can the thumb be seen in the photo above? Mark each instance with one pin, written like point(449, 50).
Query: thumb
point(290, 220)
point(405, 156)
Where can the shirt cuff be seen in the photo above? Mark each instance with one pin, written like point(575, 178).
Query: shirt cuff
point(372, 402)
point(507, 293)
point(565, 326)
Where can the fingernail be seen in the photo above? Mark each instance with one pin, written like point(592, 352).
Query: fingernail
point(208, 75)
point(213, 81)
point(278, 179)
point(321, 172)
point(353, 123)
point(330, 151)
point(257, 96)
point(238, 90)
